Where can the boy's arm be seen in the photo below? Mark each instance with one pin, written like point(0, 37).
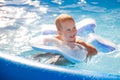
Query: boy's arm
point(52, 41)
point(91, 50)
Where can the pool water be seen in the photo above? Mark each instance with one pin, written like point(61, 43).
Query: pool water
point(22, 20)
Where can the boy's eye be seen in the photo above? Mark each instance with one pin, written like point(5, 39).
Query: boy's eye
point(68, 30)
point(74, 28)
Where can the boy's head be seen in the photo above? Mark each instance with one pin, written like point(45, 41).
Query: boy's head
point(62, 18)
point(66, 28)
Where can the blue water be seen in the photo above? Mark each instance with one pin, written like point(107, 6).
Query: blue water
point(21, 20)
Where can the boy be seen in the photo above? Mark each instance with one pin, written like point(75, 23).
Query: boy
point(66, 30)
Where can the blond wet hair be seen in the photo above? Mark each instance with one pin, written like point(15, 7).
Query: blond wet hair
point(62, 18)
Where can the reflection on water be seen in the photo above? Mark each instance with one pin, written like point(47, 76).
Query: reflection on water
point(20, 20)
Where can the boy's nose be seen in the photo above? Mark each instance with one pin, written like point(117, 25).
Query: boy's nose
point(74, 31)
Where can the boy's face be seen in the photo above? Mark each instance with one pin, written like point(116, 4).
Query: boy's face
point(68, 31)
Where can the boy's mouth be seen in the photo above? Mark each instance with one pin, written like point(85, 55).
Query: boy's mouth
point(72, 36)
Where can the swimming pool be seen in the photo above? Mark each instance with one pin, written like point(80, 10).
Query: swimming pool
point(22, 20)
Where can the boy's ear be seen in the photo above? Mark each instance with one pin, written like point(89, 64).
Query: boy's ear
point(59, 32)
